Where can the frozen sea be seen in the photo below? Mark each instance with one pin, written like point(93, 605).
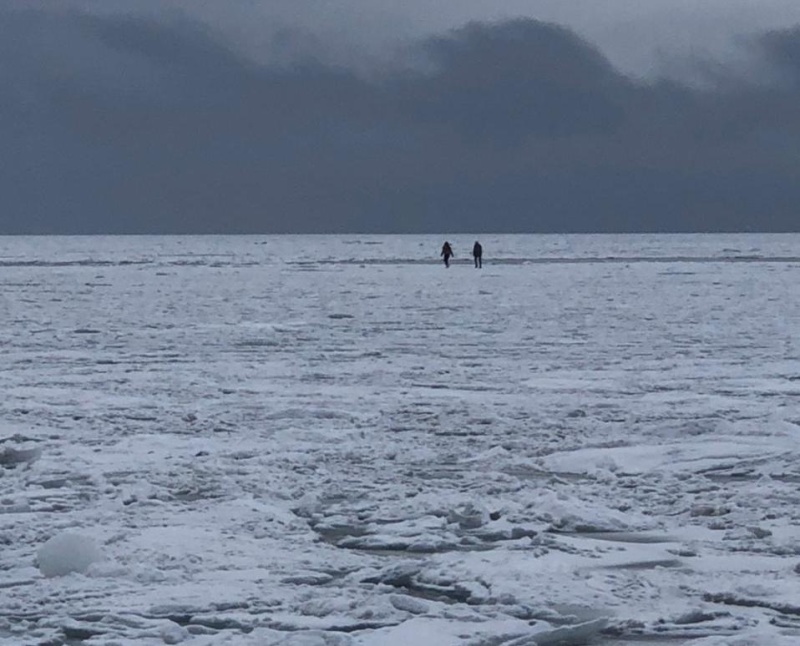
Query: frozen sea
point(334, 440)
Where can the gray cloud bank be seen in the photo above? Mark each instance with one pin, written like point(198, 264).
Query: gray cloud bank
point(115, 123)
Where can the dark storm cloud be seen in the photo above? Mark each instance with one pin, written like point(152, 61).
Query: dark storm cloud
point(781, 52)
point(516, 79)
point(126, 123)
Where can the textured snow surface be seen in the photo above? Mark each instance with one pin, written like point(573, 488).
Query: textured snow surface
point(335, 441)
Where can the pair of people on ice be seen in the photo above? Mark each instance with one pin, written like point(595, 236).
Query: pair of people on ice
point(477, 254)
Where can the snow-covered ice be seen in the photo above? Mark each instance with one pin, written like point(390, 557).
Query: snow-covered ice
point(335, 441)
point(67, 552)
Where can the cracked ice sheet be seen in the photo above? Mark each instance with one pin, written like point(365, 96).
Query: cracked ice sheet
point(257, 445)
point(694, 457)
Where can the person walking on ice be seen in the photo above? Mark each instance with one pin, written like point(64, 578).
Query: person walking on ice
point(477, 253)
point(447, 253)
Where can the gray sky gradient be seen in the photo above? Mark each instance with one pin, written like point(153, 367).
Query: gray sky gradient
point(119, 117)
point(640, 37)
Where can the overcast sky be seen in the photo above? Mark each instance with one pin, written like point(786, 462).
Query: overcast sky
point(638, 36)
point(356, 115)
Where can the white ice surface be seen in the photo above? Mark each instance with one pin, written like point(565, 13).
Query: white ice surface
point(335, 441)
point(66, 553)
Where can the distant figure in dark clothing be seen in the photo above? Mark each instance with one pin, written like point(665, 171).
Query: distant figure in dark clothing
point(447, 253)
point(477, 253)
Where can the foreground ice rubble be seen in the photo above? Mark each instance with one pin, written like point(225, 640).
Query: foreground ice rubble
point(66, 553)
point(247, 451)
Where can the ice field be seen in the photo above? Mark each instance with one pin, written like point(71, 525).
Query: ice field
point(334, 440)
